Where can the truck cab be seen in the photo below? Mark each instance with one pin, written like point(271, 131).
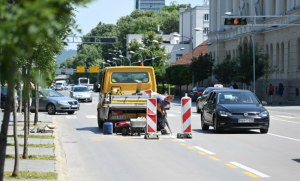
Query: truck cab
point(124, 92)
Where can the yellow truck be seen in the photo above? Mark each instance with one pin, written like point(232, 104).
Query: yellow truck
point(124, 92)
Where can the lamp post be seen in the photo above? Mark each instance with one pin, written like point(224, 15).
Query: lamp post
point(156, 57)
point(119, 60)
point(121, 56)
point(141, 48)
point(191, 40)
point(105, 63)
point(136, 62)
point(112, 62)
point(115, 54)
point(132, 52)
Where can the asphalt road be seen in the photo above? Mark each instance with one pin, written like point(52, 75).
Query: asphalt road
point(230, 155)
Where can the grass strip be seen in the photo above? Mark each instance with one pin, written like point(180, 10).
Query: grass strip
point(34, 136)
point(34, 145)
point(32, 157)
point(32, 175)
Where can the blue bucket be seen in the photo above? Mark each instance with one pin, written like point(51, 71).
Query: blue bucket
point(108, 128)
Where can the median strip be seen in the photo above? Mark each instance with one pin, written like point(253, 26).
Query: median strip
point(32, 175)
point(249, 170)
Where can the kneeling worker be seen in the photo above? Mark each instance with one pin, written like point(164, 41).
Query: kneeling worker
point(162, 101)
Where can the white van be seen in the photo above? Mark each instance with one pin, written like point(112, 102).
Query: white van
point(60, 85)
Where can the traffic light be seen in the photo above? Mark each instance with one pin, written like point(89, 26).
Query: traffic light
point(235, 21)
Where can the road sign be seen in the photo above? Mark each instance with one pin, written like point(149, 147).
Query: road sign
point(80, 69)
point(69, 71)
point(58, 71)
point(94, 69)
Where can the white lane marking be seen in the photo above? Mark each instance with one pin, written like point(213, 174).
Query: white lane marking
point(285, 121)
point(174, 137)
point(283, 137)
point(195, 115)
point(91, 116)
point(180, 140)
point(286, 116)
point(71, 117)
point(249, 169)
point(204, 150)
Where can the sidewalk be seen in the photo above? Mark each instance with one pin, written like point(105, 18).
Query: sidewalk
point(54, 166)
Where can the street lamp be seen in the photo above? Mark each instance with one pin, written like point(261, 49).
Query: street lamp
point(156, 57)
point(115, 54)
point(112, 62)
point(136, 62)
point(119, 60)
point(132, 52)
point(105, 63)
point(121, 56)
point(141, 48)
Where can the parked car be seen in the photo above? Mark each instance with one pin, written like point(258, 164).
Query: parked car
point(234, 109)
point(52, 102)
point(81, 93)
point(4, 95)
point(59, 86)
point(70, 86)
point(196, 92)
point(201, 99)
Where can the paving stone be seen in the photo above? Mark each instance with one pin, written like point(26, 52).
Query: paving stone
point(32, 141)
point(31, 151)
point(31, 165)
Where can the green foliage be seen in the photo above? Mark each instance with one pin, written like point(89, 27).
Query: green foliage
point(226, 71)
point(160, 89)
point(202, 67)
point(245, 64)
point(174, 6)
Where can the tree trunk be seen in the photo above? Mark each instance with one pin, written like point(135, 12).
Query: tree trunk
point(16, 166)
point(26, 115)
point(36, 104)
point(7, 110)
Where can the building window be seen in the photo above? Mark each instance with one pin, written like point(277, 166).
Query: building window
point(206, 17)
point(178, 56)
point(206, 31)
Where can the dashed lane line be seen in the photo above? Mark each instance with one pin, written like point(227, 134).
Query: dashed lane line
point(191, 148)
point(71, 117)
point(251, 174)
point(214, 158)
point(230, 165)
point(204, 150)
point(130, 139)
point(121, 139)
point(91, 116)
point(182, 144)
point(202, 153)
point(252, 171)
point(283, 137)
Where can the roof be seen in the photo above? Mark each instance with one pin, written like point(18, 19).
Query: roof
point(186, 59)
point(129, 68)
point(230, 90)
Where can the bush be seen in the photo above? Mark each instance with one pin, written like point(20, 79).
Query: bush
point(160, 89)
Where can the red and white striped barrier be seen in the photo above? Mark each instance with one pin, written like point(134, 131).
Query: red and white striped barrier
point(186, 118)
point(151, 118)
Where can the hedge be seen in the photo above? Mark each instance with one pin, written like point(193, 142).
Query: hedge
point(160, 89)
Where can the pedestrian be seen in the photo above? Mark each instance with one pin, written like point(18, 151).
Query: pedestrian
point(16, 97)
point(271, 91)
point(280, 92)
point(235, 86)
point(231, 87)
point(162, 102)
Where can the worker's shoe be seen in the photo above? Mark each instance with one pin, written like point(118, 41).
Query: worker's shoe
point(164, 132)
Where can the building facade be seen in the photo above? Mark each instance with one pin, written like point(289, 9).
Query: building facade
point(281, 42)
point(147, 5)
point(169, 41)
point(191, 18)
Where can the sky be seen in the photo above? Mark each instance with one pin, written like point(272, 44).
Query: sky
point(108, 12)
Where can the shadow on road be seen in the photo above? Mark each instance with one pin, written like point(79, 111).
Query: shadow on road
point(211, 131)
point(95, 130)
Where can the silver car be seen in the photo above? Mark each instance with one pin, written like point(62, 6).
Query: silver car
point(81, 93)
point(52, 102)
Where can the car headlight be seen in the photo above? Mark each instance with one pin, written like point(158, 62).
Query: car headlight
point(224, 113)
point(264, 114)
point(63, 102)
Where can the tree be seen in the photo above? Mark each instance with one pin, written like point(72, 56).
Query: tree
point(16, 165)
point(178, 75)
point(202, 67)
point(245, 64)
point(20, 38)
point(226, 71)
point(174, 6)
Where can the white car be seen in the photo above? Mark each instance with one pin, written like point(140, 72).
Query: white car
point(90, 86)
point(81, 93)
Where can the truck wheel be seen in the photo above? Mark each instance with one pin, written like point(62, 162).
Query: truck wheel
point(100, 122)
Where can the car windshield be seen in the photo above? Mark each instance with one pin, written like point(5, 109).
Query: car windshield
point(50, 93)
point(200, 88)
point(237, 98)
point(130, 77)
point(59, 84)
point(81, 89)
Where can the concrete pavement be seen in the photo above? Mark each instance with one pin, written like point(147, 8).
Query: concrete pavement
point(230, 155)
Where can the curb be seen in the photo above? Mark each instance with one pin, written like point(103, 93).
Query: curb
point(61, 161)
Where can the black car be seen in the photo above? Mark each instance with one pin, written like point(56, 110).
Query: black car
point(196, 92)
point(201, 99)
point(234, 109)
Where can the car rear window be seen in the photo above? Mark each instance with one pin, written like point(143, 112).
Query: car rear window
point(129, 77)
point(200, 88)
